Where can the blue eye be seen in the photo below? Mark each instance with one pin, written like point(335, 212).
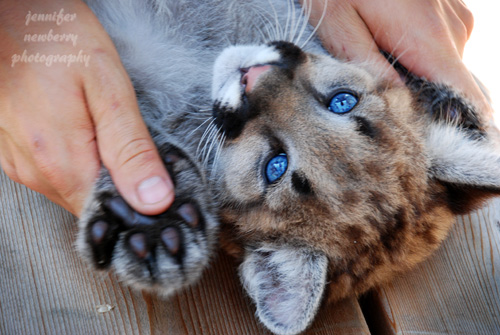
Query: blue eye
point(276, 167)
point(342, 103)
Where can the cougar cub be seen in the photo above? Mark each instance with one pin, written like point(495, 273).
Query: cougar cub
point(324, 178)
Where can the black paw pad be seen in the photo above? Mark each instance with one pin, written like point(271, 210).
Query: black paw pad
point(102, 237)
point(98, 231)
point(119, 208)
point(171, 158)
point(162, 252)
point(138, 244)
point(171, 239)
point(189, 213)
point(125, 214)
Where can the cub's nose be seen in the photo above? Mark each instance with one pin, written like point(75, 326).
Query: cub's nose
point(250, 76)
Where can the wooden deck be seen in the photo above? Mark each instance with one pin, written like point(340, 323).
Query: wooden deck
point(46, 289)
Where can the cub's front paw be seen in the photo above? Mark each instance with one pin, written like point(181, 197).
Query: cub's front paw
point(163, 252)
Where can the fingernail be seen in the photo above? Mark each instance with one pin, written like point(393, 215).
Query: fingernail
point(153, 190)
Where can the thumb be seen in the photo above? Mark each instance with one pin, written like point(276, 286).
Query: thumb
point(123, 141)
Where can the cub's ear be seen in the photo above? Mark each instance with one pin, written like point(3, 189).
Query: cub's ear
point(286, 284)
point(460, 143)
point(469, 167)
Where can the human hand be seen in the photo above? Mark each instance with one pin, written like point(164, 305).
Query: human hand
point(426, 36)
point(59, 122)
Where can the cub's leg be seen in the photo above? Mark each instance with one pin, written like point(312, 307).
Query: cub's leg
point(164, 252)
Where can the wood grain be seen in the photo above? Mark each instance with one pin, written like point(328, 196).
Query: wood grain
point(46, 289)
point(457, 291)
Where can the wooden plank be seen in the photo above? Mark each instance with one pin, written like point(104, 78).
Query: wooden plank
point(46, 289)
point(457, 291)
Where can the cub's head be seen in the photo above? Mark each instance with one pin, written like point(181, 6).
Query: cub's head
point(329, 174)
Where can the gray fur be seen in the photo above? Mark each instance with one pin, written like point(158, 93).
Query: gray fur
point(169, 48)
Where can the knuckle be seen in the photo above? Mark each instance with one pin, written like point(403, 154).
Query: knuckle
point(462, 34)
point(137, 152)
point(7, 164)
point(468, 21)
point(467, 18)
point(59, 178)
point(52, 171)
point(64, 184)
point(48, 167)
point(69, 192)
point(27, 178)
point(11, 172)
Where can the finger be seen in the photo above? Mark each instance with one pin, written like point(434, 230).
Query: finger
point(443, 65)
point(455, 25)
point(433, 52)
point(345, 35)
point(464, 14)
point(123, 140)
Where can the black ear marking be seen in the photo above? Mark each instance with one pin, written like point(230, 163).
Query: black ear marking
point(232, 121)
point(463, 199)
point(441, 101)
point(291, 55)
point(445, 105)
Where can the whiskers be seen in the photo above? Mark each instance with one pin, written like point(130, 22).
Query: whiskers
point(308, 4)
point(289, 25)
point(276, 22)
point(393, 60)
point(212, 139)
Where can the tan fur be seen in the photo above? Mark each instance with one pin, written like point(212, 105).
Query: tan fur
point(373, 210)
